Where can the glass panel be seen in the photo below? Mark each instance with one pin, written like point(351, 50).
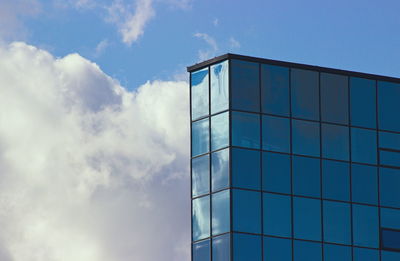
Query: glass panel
point(221, 248)
point(335, 180)
point(246, 247)
point(200, 137)
point(390, 218)
point(219, 131)
point(306, 176)
point(246, 211)
point(305, 94)
point(365, 226)
point(220, 169)
point(337, 224)
point(388, 106)
point(389, 140)
point(363, 146)
point(390, 256)
point(199, 82)
point(277, 249)
point(277, 215)
point(276, 172)
point(389, 158)
point(336, 253)
point(201, 218)
point(363, 102)
point(307, 218)
point(307, 251)
point(364, 184)
point(390, 239)
point(245, 86)
point(334, 98)
point(246, 172)
point(201, 251)
point(220, 212)
point(365, 254)
point(305, 138)
point(246, 130)
point(275, 89)
point(335, 142)
point(389, 183)
point(200, 175)
point(275, 134)
point(219, 87)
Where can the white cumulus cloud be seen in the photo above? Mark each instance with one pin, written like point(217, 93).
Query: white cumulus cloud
point(88, 170)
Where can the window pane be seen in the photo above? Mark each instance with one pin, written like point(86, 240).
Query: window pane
point(389, 150)
point(275, 89)
point(364, 184)
point(246, 247)
point(363, 146)
point(277, 249)
point(276, 134)
point(200, 175)
point(245, 86)
point(246, 172)
point(220, 212)
point(307, 251)
point(389, 187)
point(337, 224)
point(200, 137)
point(221, 248)
point(390, 256)
point(220, 169)
point(334, 98)
point(335, 142)
point(201, 218)
point(199, 81)
point(390, 218)
point(390, 239)
point(276, 172)
point(219, 131)
point(201, 251)
point(335, 180)
point(365, 226)
point(307, 218)
point(277, 215)
point(305, 138)
point(363, 102)
point(389, 158)
point(305, 94)
point(219, 87)
point(246, 130)
point(246, 211)
point(336, 253)
point(365, 254)
point(306, 176)
point(388, 106)
point(389, 140)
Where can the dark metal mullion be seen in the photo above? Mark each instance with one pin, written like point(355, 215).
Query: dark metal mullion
point(230, 162)
point(378, 172)
point(261, 158)
point(190, 164)
point(210, 161)
point(291, 162)
point(320, 166)
point(350, 167)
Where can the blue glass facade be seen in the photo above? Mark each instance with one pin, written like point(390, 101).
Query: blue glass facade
point(293, 162)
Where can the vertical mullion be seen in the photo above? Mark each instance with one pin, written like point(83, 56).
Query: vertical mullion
point(378, 165)
point(350, 167)
point(291, 161)
point(230, 160)
point(320, 166)
point(209, 159)
point(191, 186)
point(261, 158)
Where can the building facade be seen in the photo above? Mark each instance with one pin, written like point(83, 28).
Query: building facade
point(291, 162)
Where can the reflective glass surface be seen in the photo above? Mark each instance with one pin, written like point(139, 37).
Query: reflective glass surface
point(219, 87)
point(277, 215)
point(246, 172)
point(365, 254)
point(390, 218)
point(221, 248)
point(388, 106)
point(335, 180)
point(277, 249)
point(200, 175)
point(220, 212)
point(390, 256)
point(220, 169)
point(245, 130)
point(337, 222)
point(336, 253)
point(275, 89)
point(305, 138)
point(200, 137)
point(334, 98)
point(363, 145)
point(305, 94)
point(389, 140)
point(335, 142)
point(306, 176)
point(199, 82)
point(389, 182)
point(201, 251)
point(276, 172)
point(389, 151)
point(201, 218)
point(390, 239)
point(307, 218)
point(246, 247)
point(365, 226)
point(362, 102)
point(307, 251)
point(275, 134)
point(364, 183)
point(246, 211)
point(245, 86)
point(220, 131)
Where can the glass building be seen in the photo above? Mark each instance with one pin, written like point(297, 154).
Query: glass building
point(291, 162)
